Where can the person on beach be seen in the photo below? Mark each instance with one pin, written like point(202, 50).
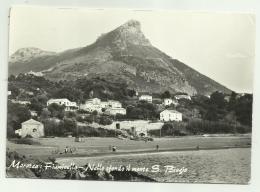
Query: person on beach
point(66, 149)
point(114, 148)
point(157, 147)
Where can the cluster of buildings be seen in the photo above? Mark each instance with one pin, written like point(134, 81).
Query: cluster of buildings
point(166, 101)
point(110, 107)
point(167, 114)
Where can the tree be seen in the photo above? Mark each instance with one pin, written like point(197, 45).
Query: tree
point(211, 114)
point(95, 113)
point(52, 128)
point(45, 114)
point(134, 113)
point(11, 78)
point(131, 92)
point(104, 120)
point(16, 114)
point(56, 110)
point(69, 126)
point(232, 101)
point(166, 94)
point(167, 129)
point(69, 92)
point(70, 114)
point(243, 109)
point(218, 99)
point(36, 105)
point(14, 91)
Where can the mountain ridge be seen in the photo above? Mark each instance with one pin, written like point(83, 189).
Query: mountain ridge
point(123, 53)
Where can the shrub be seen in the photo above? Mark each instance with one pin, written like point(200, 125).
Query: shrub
point(105, 120)
point(97, 132)
point(25, 141)
point(213, 127)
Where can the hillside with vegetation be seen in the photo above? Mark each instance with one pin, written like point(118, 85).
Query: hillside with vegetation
point(201, 114)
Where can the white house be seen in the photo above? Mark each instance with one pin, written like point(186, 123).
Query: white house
point(170, 115)
point(114, 111)
point(169, 101)
point(31, 128)
point(178, 97)
point(69, 106)
point(147, 98)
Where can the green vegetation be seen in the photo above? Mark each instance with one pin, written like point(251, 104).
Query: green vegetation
point(214, 114)
point(219, 113)
point(16, 114)
point(142, 110)
point(25, 141)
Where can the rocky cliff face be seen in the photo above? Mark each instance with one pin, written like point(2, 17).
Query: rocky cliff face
point(123, 54)
point(128, 33)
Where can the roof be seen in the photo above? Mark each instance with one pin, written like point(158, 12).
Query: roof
point(146, 96)
point(32, 121)
point(171, 111)
point(62, 99)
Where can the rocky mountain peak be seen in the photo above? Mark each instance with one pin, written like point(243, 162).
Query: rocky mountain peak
point(128, 33)
point(131, 24)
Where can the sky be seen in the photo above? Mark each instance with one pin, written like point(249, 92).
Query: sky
point(219, 45)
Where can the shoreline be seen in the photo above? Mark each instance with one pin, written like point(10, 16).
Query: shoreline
point(125, 153)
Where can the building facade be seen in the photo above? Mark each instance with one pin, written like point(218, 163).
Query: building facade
point(147, 98)
point(114, 111)
point(31, 128)
point(111, 107)
point(170, 115)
